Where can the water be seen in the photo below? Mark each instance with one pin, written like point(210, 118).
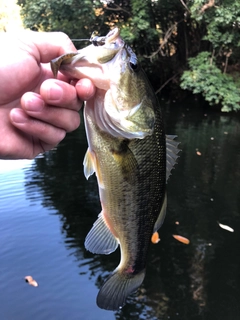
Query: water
point(47, 208)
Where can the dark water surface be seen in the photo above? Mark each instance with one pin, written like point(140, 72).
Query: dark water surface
point(47, 208)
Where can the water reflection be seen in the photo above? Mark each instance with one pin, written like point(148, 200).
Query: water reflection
point(198, 281)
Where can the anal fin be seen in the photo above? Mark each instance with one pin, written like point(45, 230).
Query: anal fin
point(100, 239)
point(161, 216)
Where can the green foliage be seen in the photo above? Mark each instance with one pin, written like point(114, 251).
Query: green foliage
point(208, 70)
point(222, 21)
point(140, 31)
point(206, 78)
point(76, 18)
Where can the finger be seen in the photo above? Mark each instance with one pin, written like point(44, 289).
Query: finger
point(59, 93)
point(63, 118)
point(43, 131)
point(85, 89)
point(49, 44)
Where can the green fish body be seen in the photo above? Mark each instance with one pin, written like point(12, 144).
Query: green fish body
point(127, 152)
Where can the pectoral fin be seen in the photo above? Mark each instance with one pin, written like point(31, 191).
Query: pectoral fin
point(91, 165)
point(100, 238)
point(88, 164)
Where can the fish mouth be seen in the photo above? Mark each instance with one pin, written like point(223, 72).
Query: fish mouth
point(112, 35)
point(92, 61)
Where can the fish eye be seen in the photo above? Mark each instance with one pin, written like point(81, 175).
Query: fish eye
point(134, 66)
point(94, 41)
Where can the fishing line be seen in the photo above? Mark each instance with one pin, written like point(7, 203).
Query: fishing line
point(80, 39)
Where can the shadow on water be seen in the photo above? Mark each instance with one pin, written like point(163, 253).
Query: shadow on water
point(196, 281)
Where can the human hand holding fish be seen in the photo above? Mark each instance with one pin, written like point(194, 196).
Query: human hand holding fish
point(130, 155)
point(36, 110)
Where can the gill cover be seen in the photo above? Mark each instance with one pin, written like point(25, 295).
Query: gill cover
point(124, 108)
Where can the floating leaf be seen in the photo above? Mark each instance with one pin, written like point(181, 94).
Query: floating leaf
point(155, 238)
point(225, 227)
point(181, 239)
point(31, 281)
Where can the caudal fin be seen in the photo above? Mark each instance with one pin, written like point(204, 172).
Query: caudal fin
point(117, 288)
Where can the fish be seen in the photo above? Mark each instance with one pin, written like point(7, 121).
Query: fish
point(130, 154)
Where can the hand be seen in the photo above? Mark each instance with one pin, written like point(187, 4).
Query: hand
point(36, 110)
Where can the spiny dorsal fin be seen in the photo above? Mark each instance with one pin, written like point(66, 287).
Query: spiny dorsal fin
point(171, 153)
point(100, 239)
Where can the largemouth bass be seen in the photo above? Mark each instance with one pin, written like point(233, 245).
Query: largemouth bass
point(127, 152)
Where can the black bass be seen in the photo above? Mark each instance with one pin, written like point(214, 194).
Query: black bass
point(127, 152)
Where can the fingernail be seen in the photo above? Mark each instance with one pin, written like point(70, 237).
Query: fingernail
point(85, 89)
point(18, 116)
point(55, 93)
point(35, 104)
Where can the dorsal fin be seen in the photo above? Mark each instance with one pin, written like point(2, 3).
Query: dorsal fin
point(172, 151)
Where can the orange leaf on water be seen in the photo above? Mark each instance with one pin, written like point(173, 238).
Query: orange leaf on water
point(155, 238)
point(181, 239)
point(31, 281)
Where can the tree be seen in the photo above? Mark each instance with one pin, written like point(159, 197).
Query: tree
point(208, 70)
point(76, 18)
point(206, 78)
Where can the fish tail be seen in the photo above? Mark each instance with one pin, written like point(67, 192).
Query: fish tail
point(117, 287)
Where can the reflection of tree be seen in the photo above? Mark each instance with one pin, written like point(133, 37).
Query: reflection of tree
point(58, 180)
point(209, 193)
point(198, 274)
point(179, 277)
